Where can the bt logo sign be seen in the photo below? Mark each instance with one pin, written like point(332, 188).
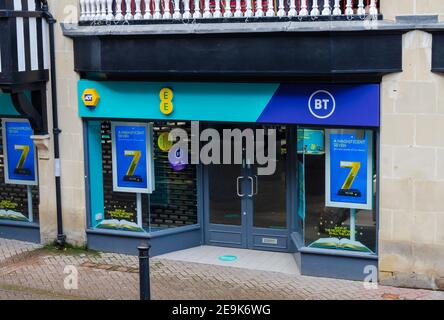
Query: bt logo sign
point(321, 104)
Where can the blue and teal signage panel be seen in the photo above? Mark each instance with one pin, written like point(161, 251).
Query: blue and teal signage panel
point(132, 170)
point(349, 167)
point(19, 152)
point(315, 104)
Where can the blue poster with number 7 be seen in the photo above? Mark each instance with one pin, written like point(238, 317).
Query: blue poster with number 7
point(349, 168)
point(132, 157)
point(19, 152)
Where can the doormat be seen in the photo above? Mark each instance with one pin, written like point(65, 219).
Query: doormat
point(227, 258)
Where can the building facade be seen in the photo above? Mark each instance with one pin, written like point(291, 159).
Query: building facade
point(350, 91)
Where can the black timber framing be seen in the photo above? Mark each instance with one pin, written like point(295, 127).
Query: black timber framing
point(351, 55)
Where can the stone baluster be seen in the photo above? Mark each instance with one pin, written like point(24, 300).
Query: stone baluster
point(292, 12)
point(98, 10)
point(197, 14)
point(217, 12)
point(177, 15)
point(109, 10)
point(83, 15)
point(361, 8)
point(315, 9)
point(89, 10)
point(349, 8)
point(227, 11)
point(207, 12)
point(304, 10)
point(270, 8)
point(373, 10)
point(128, 11)
point(147, 15)
point(138, 10)
point(186, 10)
point(337, 8)
point(119, 15)
point(248, 9)
point(166, 10)
point(326, 11)
point(157, 14)
point(238, 13)
point(259, 9)
point(281, 12)
point(103, 11)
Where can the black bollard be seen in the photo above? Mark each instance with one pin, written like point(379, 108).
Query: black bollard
point(144, 271)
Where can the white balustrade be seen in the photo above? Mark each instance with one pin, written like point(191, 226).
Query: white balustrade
point(147, 15)
point(207, 12)
point(109, 12)
point(327, 9)
point(98, 10)
point(337, 8)
point(196, 13)
point(292, 12)
point(227, 9)
point(166, 10)
point(120, 10)
point(238, 13)
point(138, 10)
point(217, 11)
point(119, 15)
point(128, 12)
point(373, 10)
point(281, 12)
point(82, 10)
point(177, 15)
point(187, 12)
point(304, 8)
point(259, 10)
point(315, 9)
point(349, 8)
point(270, 8)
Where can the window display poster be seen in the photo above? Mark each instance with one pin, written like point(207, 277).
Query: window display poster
point(19, 152)
point(132, 159)
point(349, 169)
point(310, 141)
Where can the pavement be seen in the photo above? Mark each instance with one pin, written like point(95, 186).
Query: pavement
point(28, 271)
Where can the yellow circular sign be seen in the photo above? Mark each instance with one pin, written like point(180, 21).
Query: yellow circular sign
point(166, 100)
point(163, 142)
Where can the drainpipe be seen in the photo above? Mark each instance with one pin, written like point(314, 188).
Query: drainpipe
point(56, 131)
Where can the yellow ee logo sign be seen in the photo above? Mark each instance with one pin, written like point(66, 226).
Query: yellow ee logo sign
point(90, 98)
point(166, 101)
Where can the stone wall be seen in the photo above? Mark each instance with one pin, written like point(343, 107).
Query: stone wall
point(71, 141)
point(412, 170)
point(392, 8)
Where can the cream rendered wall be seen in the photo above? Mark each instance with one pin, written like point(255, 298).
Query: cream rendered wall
point(71, 141)
point(412, 160)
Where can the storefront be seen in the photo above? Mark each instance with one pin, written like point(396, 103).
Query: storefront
point(24, 73)
point(308, 186)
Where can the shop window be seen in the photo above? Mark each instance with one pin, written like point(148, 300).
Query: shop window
point(172, 204)
point(338, 227)
point(14, 197)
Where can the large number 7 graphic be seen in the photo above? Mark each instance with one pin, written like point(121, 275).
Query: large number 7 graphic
point(25, 151)
point(136, 158)
point(346, 187)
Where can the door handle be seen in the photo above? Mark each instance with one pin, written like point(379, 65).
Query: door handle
point(252, 186)
point(238, 188)
point(257, 184)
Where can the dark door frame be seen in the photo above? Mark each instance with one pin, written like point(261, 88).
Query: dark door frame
point(248, 234)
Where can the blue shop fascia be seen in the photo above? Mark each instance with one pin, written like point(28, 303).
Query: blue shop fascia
point(319, 203)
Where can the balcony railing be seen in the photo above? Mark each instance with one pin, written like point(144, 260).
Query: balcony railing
point(143, 11)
